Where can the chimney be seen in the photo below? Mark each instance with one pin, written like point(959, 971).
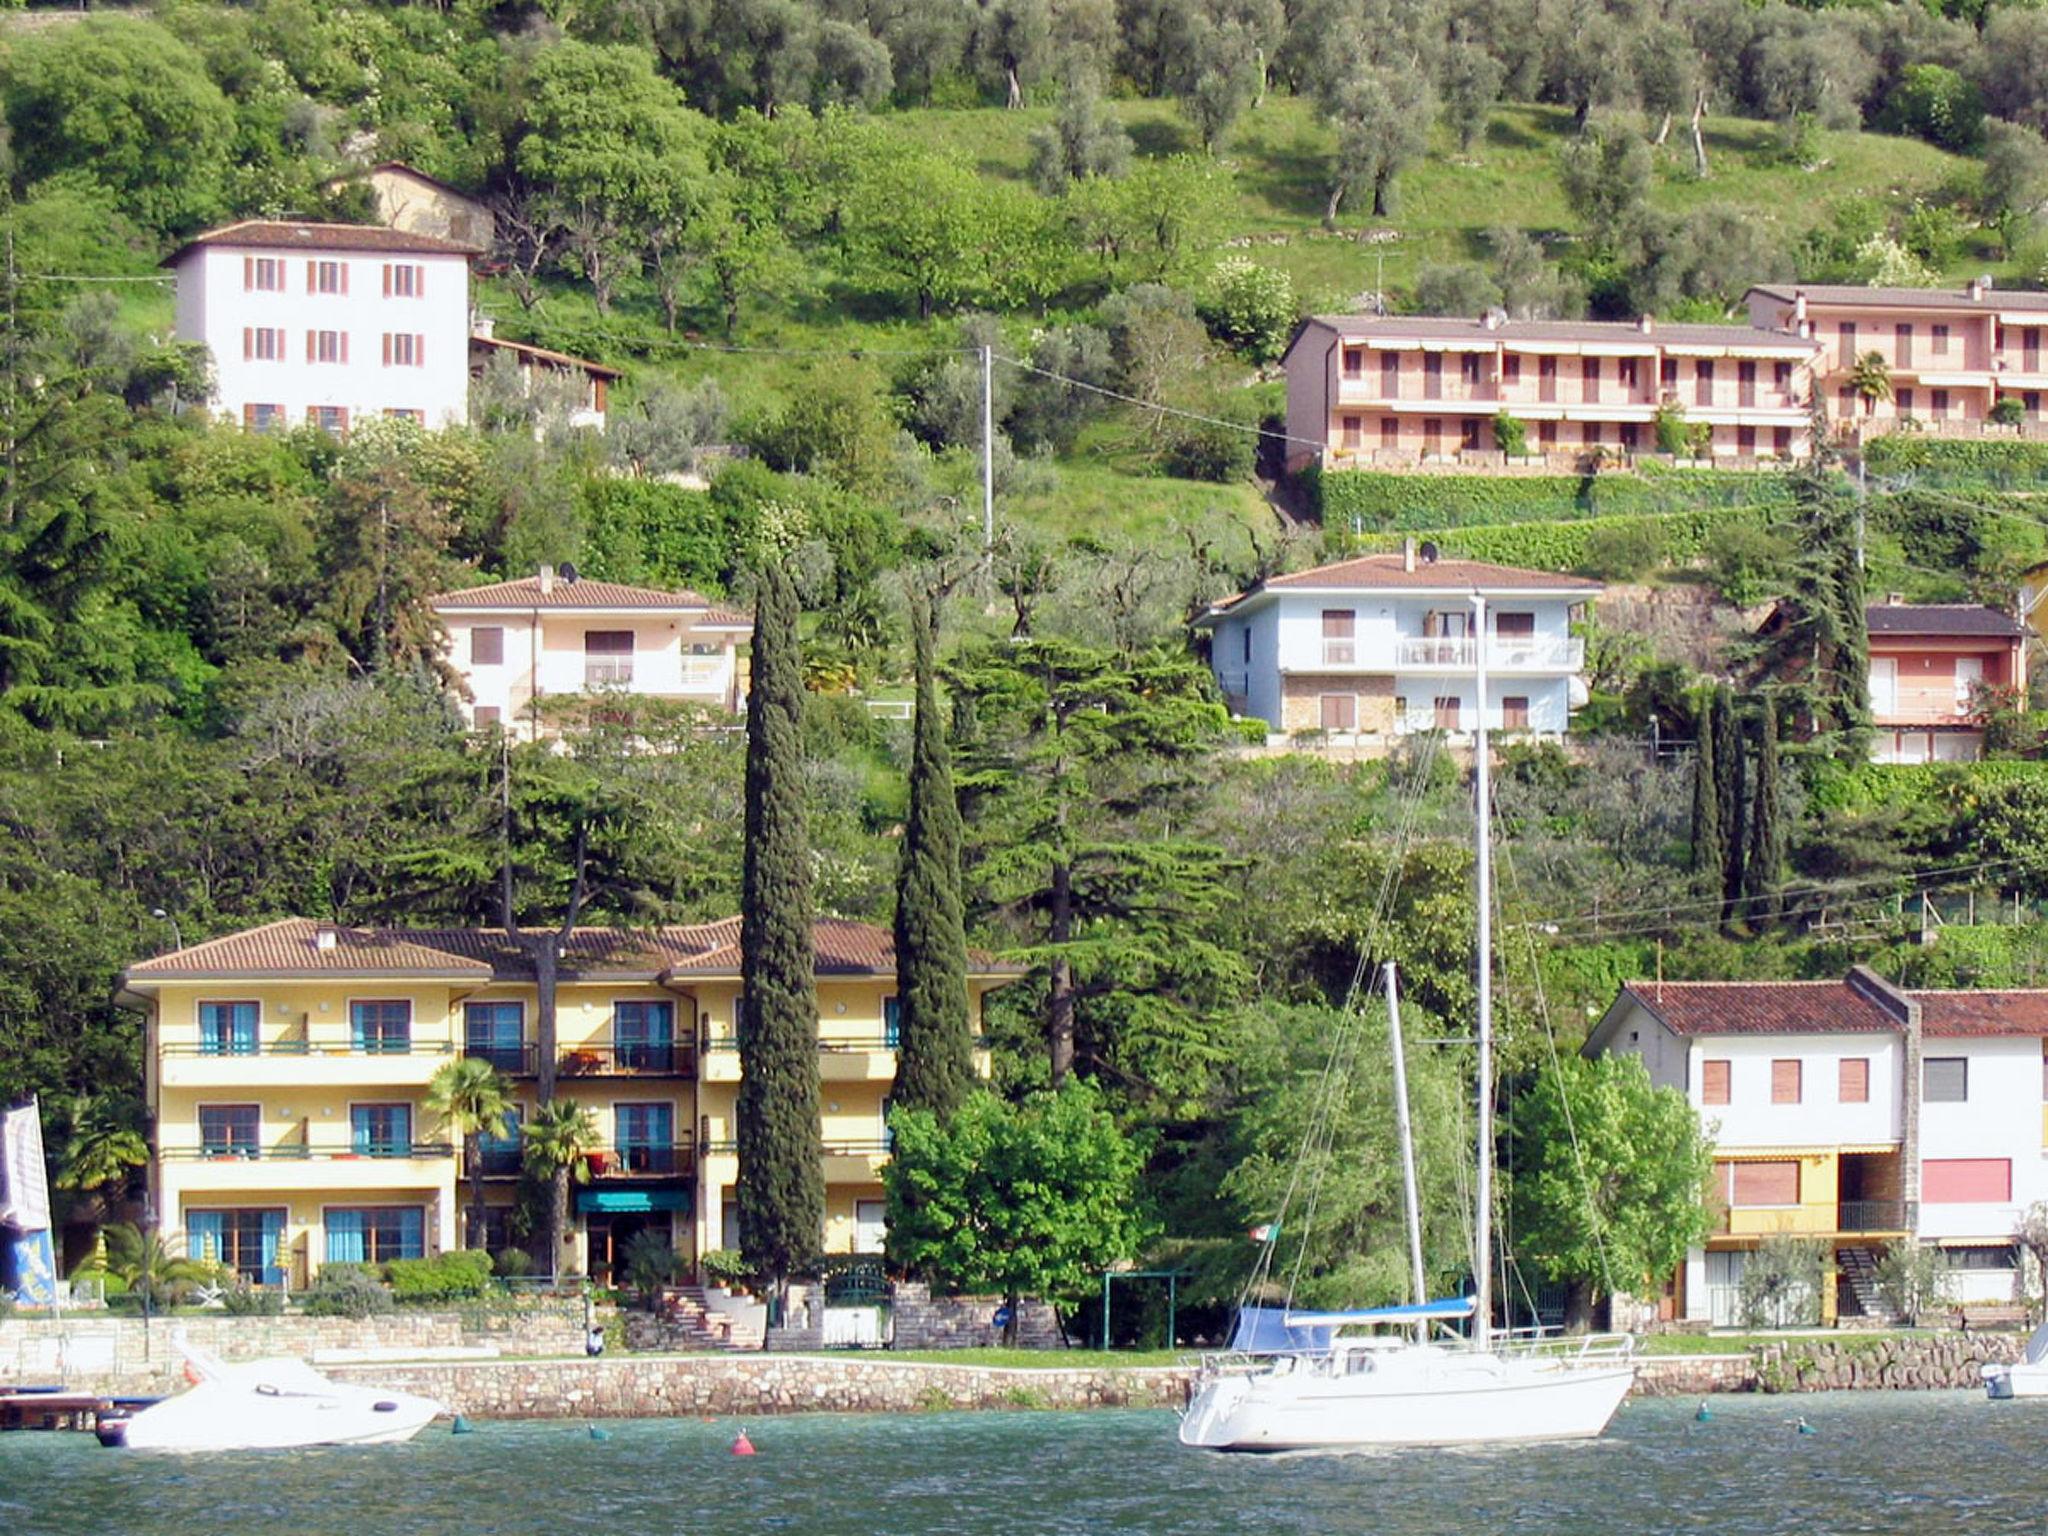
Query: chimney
point(1647, 324)
point(482, 327)
point(1806, 330)
point(547, 580)
point(1408, 553)
point(1979, 286)
point(1894, 599)
point(325, 938)
point(1799, 307)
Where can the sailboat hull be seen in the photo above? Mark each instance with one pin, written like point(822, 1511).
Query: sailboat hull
point(1418, 1397)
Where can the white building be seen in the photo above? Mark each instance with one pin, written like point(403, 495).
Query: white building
point(517, 643)
point(327, 325)
point(1368, 650)
point(1853, 1113)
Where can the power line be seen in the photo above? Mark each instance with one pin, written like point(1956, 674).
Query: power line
point(1152, 405)
point(85, 277)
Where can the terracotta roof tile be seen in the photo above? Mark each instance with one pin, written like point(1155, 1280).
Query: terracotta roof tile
point(273, 235)
point(1970, 619)
point(1958, 1015)
point(583, 593)
point(1911, 298)
point(1470, 328)
point(292, 947)
point(1833, 1008)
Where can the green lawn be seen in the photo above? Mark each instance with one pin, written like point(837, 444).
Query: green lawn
point(1034, 1359)
point(1743, 1343)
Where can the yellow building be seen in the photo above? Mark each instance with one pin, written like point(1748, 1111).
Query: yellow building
point(289, 1067)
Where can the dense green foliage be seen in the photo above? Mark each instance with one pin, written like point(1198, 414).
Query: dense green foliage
point(1369, 501)
point(781, 1186)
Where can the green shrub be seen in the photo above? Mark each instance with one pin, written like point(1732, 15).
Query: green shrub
point(2000, 458)
point(1248, 308)
point(246, 1300)
point(1567, 546)
point(345, 1290)
point(2010, 411)
point(651, 1262)
point(723, 1266)
point(1509, 435)
point(1624, 550)
point(1210, 451)
point(512, 1263)
point(1747, 561)
point(1251, 730)
point(1373, 500)
point(457, 1276)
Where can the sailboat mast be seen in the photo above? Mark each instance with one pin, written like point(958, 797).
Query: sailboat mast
point(1482, 796)
point(1405, 1131)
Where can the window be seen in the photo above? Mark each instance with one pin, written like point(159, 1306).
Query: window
point(487, 646)
point(1667, 373)
point(1714, 1082)
point(1340, 712)
point(244, 1241)
point(375, 1234)
point(1354, 362)
point(1902, 345)
point(1745, 440)
point(329, 418)
point(1390, 432)
point(262, 344)
point(381, 1028)
point(263, 418)
point(262, 274)
point(1590, 372)
point(646, 1135)
point(402, 349)
point(1941, 341)
point(1785, 1081)
point(1546, 434)
point(1781, 442)
point(1514, 626)
point(644, 1035)
point(607, 657)
point(1390, 374)
point(228, 1029)
point(1945, 1080)
point(1433, 376)
point(1511, 368)
point(1703, 382)
point(402, 413)
point(327, 277)
point(1246, 636)
point(487, 715)
point(1848, 353)
point(495, 1031)
point(2000, 1256)
point(1965, 1181)
point(1781, 378)
point(1353, 433)
point(1902, 402)
point(403, 280)
point(1631, 436)
point(1772, 1183)
point(1468, 434)
point(230, 1130)
point(1340, 637)
point(327, 346)
point(1626, 371)
point(499, 1146)
point(1514, 713)
point(1938, 402)
point(1853, 1082)
point(1448, 715)
point(380, 1130)
point(1468, 370)
point(892, 1022)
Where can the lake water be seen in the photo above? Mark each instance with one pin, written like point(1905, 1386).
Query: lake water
point(1879, 1462)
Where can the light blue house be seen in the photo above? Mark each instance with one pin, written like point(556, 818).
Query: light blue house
point(1368, 650)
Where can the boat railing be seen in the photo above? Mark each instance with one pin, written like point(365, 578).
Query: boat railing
point(1575, 1347)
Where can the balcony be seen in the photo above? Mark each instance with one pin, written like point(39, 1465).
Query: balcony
point(1536, 653)
point(644, 1058)
point(410, 1165)
point(640, 1162)
point(608, 672)
point(294, 1063)
point(512, 1060)
point(1873, 1216)
point(303, 1154)
point(502, 1162)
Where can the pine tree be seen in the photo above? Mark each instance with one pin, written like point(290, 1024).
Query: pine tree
point(1728, 782)
point(781, 1189)
point(1706, 802)
point(935, 1051)
point(1766, 856)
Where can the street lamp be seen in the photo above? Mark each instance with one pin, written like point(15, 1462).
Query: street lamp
point(177, 938)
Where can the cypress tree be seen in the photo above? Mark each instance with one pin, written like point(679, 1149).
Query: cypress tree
point(1728, 784)
point(935, 1051)
point(781, 1189)
point(1706, 789)
point(1766, 827)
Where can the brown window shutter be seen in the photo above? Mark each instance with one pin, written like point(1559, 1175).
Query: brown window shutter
point(248, 343)
point(419, 351)
point(312, 343)
point(248, 415)
point(312, 277)
point(387, 349)
point(1784, 1081)
point(1775, 1183)
point(387, 279)
point(419, 282)
point(344, 346)
point(344, 277)
point(248, 273)
point(487, 645)
point(1713, 1082)
point(1855, 1084)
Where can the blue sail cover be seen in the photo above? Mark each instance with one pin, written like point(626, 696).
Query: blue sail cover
point(1273, 1330)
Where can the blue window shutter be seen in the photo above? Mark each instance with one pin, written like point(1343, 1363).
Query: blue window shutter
point(892, 1022)
point(273, 1231)
point(205, 1235)
point(344, 1237)
point(244, 1026)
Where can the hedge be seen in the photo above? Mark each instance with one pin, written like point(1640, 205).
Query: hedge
point(1567, 546)
point(1998, 457)
point(1373, 500)
point(1841, 787)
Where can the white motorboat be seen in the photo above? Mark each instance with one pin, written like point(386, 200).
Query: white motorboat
point(1299, 1380)
point(2025, 1377)
point(270, 1405)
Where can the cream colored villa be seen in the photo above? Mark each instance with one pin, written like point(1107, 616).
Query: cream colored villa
point(288, 1069)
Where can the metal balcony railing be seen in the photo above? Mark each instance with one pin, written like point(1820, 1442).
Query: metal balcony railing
point(647, 1058)
point(501, 1162)
point(873, 1148)
point(1504, 653)
point(514, 1060)
point(636, 1161)
point(1872, 1216)
point(297, 1153)
point(373, 1047)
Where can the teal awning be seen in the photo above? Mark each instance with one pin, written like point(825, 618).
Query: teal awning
point(614, 1202)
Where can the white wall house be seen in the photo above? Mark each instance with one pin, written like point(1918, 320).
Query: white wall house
point(1852, 1113)
point(515, 644)
point(328, 325)
point(1368, 650)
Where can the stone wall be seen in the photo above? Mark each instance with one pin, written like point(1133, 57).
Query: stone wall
point(1946, 1360)
point(1694, 1375)
point(964, 1322)
point(98, 1353)
point(721, 1385)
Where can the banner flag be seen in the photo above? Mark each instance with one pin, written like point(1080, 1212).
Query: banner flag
point(24, 1181)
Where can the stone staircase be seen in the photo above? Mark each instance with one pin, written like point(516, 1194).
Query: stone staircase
point(689, 1317)
point(1858, 1266)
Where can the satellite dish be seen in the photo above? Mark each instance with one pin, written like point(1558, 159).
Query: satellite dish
point(568, 573)
point(1429, 552)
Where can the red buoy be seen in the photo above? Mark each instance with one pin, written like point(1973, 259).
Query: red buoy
point(743, 1446)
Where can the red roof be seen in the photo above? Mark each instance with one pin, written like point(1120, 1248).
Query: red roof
point(275, 235)
point(583, 594)
point(547, 355)
point(1392, 572)
point(295, 947)
point(1834, 1008)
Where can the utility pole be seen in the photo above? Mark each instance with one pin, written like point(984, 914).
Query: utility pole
point(988, 450)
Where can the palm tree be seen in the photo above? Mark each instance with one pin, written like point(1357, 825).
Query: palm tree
point(141, 1257)
point(1871, 379)
point(102, 1152)
point(474, 1098)
point(559, 1138)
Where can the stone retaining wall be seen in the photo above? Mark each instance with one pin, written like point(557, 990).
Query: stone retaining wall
point(722, 1385)
point(964, 1322)
point(1694, 1375)
point(1938, 1361)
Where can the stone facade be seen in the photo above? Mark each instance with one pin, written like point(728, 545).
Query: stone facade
point(696, 1385)
point(964, 1322)
point(1939, 1361)
point(1301, 702)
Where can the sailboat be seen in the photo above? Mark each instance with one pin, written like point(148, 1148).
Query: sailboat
point(1307, 1380)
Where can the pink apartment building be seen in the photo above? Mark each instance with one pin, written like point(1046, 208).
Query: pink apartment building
point(1928, 664)
point(1951, 353)
point(1387, 391)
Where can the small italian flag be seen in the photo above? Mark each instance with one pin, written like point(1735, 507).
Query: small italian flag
point(1265, 1232)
